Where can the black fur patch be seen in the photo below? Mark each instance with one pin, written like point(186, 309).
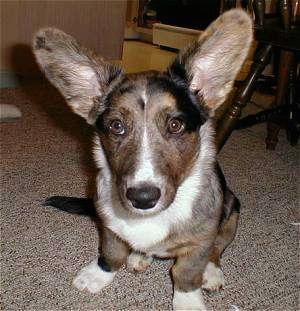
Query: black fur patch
point(40, 43)
point(99, 124)
point(121, 87)
point(103, 264)
point(73, 205)
point(191, 109)
point(113, 73)
point(221, 177)
point(125, 86)
point(231, 202)
point(178, 73)
point(141, 103)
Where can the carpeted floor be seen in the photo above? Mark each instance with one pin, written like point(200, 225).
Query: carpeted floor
point(46, 152)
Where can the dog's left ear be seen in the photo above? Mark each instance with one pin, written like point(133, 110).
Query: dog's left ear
point(80, 75)
point(212, 63)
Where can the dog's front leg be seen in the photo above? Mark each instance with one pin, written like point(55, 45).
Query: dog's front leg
point(100, 272)
point(187, 274)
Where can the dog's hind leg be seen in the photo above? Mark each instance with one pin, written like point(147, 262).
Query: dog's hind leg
point(101, 272)
point(213, 278)
point(138, 262)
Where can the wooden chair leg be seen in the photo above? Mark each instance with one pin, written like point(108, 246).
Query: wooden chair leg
point(274, 126)
point(273, 129)
point(228, 121)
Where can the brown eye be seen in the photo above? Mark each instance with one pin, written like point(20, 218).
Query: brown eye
point(175, 126)
point(116, 127)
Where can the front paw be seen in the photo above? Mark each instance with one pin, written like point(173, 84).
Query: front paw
point(188, 300)
point(213, 278)
point(92, 278)
point(137, 262)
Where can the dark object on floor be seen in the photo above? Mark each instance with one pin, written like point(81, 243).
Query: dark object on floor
point(73, 205)
point(281, 33)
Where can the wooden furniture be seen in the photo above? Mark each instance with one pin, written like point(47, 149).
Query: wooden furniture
point(169, 23)
point(174, 37)
point(281, 34)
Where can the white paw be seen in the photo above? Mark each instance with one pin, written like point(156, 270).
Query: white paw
point(213, 278)
point(137, 262)
point(188, 301)
point(92, 278)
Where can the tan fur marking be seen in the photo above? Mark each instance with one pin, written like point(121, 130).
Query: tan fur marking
point(227, 232)
point(215, 257)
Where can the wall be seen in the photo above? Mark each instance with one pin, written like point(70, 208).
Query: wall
point(99, 25)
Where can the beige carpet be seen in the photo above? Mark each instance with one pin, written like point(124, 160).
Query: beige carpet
point(45, 153)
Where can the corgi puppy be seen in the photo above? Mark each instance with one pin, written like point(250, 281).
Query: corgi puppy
point(160, 191)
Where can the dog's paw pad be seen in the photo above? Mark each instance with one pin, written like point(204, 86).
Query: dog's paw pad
point(92, 278)
point(137, 262)
point(213, 278)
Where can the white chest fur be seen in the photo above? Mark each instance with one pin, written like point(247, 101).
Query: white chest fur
point(144, 232)
point(140, 233)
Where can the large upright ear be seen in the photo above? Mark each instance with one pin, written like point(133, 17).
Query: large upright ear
point(76, 72)
point(212, 63)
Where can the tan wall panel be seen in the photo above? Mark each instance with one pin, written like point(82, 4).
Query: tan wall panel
point(99, 25)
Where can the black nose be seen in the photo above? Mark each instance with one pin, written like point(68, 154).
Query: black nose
point(143, 197)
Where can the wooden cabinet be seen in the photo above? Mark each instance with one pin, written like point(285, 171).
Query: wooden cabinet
point(134, 17)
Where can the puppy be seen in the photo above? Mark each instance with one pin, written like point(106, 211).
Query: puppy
point(160, 191)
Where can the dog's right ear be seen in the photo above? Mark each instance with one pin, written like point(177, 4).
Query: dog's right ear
point(210, 65)
point(76, 72)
